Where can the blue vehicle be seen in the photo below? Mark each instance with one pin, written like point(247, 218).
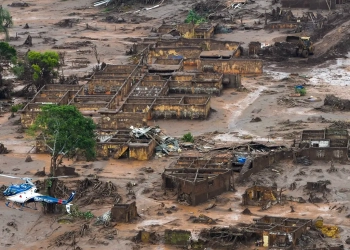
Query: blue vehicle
point(26, 192)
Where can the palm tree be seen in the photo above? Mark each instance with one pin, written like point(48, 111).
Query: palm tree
point(5, 21)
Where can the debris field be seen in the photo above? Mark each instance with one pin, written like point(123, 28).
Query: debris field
point(219, 124)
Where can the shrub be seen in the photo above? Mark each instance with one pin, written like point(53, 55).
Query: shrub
point(188, 137)
point(7, 52)
point(301, 91)
point(76, 213)
point(193, 17)
point(15, 108)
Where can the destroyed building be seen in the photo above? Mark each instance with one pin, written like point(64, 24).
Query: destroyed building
point(253, 157)
point(279, 232)
point(124, 212)
point(259, 195)
point(173, 79)
point(267, 232)
point(188, 30)
point(133, 143)
point(197, 185)
point(124, 100)
point(324, 145)
point(266, 196)
point(217, 161)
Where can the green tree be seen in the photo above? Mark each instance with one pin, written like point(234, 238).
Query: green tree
point(5, 21)
point(7, 52)
point(44, 66)
point(65, 132)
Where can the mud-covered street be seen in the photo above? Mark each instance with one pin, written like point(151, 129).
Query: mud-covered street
point(212, 133)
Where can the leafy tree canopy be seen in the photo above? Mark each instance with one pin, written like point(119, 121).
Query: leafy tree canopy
point(43, 65)
point(65, 131)
point(5, 21)
point(7, 52)
point(47, 60)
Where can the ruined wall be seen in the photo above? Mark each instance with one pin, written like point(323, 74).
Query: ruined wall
point(325, 154)
point(162, 52)
point(232, 66)
point(218, 161)
point(40, 146)
point(191, 87)
point(118, 69)
point(205, 44)
point(113, 120)
point(111, 149)
point(124, 212)
point(167, 62)
point(257, 195)
point(53, 96)
point(104, 86)
point(189, 30)
point(91, 103)
point(207, 189)
point(190, 108)
point(186, 30)
point(261, 162)
point(68, 97)
point(142, 151)
point(281, 26)
point(28, 117)
point(204, 33)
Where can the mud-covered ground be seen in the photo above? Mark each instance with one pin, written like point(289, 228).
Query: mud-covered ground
point(266, 97)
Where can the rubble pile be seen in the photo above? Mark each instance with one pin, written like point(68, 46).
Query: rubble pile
point(73, 45)
point(88, 191)
point(166, 144)
point(340, 125)
point(68, 238)
point(202, 219)
point(6, 88)
point(282, 50)
point(96, 191)
point(337, 103)
point(221, 236)
point(304, 160)
point(113, 19)
point(3, 149)
point(67, 22)
point(19, 4)
point(289, 102)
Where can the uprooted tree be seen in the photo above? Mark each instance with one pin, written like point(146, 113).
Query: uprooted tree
point(65, 133)
point(5, 21)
